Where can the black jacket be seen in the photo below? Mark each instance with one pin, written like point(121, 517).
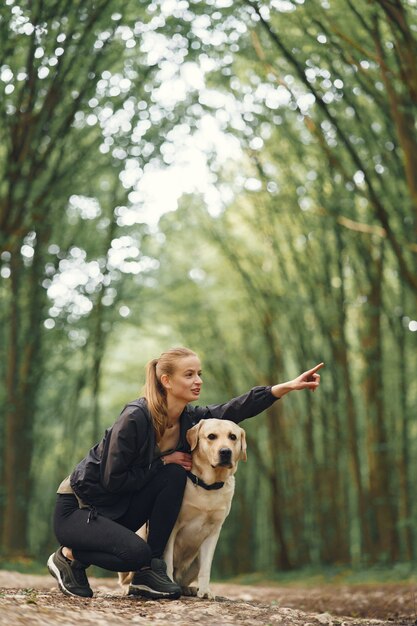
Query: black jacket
point(125, 460)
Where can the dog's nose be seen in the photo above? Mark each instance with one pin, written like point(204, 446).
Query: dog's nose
point(225, 455)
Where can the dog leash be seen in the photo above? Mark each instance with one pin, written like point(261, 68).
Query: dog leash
point(200, 483)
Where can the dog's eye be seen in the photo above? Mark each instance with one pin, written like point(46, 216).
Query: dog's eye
point(232, 437)
point(211, 436)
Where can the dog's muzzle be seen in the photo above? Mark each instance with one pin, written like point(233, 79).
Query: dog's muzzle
point(225, 457)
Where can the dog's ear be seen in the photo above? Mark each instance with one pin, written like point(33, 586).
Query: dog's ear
point(192, 435)
point(243, 455)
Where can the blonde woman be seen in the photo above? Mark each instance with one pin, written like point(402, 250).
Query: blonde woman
point(137, 474)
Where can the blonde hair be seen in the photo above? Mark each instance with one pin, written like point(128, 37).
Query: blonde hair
point(155, 392)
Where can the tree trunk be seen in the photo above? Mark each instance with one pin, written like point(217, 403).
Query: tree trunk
point(24, 370)
point(406, 530)
point(15, 472)
point(383, 539)
point(278, 507)
point(352, 423)
point(99, 335)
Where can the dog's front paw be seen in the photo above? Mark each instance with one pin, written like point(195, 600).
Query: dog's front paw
point(205, 593)
point(125, 578)
point(125, 590)
point(189, 591)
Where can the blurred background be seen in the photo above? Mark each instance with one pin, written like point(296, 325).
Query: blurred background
point(238, 177)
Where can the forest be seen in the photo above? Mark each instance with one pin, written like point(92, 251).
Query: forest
point(239, 177)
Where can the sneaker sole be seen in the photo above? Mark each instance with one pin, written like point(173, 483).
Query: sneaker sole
point(54, 571)
point(148, 592)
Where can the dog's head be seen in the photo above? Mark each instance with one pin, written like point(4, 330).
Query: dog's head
point(221, 442)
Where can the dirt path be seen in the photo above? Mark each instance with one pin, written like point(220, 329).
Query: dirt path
point(36, 601)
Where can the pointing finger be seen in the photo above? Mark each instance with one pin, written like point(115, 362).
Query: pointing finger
point(314, 369)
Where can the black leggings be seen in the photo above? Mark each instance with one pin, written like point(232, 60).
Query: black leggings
point(113, 544)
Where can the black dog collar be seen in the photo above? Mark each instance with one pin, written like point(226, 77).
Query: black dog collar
point(200, 483)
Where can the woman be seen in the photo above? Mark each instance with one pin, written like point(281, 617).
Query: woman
point(137, 474)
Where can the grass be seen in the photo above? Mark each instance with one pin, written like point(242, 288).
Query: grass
point(395, 573)
point(23, 565)
point(326, 575)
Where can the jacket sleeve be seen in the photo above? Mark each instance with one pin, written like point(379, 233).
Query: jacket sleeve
point(124, 464)
point(238, 409)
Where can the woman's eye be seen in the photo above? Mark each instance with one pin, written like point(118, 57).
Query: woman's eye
point(211, 436)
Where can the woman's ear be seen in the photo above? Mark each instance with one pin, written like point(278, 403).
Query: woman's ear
point(192, 435)
point(165, 381)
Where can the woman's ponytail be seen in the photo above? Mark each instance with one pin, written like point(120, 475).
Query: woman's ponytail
point(156, 397)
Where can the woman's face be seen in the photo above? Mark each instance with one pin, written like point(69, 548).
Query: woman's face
point(185, 383)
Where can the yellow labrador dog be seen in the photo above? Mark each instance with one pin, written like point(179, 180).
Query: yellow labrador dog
point(217, 446)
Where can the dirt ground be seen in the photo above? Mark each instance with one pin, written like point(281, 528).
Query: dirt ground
point(36, 601)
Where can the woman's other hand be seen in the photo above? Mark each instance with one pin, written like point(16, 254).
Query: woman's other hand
point(180, 458)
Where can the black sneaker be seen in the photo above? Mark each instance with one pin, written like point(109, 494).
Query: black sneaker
point(71, 576)
point(154, 582)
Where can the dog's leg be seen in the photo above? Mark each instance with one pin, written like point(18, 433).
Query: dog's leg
point(189, 574)
point(186, 576)
point(125, 578)
point(206, 558)
point(169, 553)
